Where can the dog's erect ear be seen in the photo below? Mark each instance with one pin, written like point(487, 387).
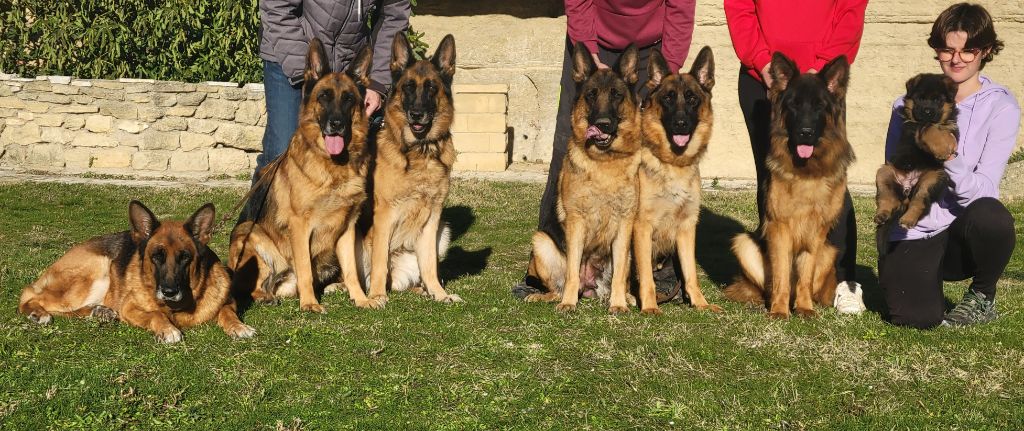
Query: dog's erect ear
point(657, 69)
point(200, 225)
point(912, 82)
point(951, 88)
point(782, 70)
point(582, 64)
point(836, 75)
point(703, 68)
point(317, 64)
point(359, 69)
point(444, 58)
point(627, 65)
point(401, 56)
point(143, 221)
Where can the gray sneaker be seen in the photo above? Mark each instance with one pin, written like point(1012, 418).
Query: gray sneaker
point(972, 310)
point(526, 287)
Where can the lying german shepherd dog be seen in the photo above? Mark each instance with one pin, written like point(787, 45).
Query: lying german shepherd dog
point(676, 122)
point(316, 189)
point(807, 162)
point(913, 176)
point(159, 276)
point(411, 177)
point(597, 188)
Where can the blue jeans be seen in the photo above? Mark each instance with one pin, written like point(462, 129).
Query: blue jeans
point(283, 100)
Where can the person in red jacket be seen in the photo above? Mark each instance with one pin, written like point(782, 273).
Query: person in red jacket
point(811, 33)
point(607, 27)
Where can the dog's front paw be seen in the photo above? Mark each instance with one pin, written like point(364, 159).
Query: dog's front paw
point(450, 298)
point(374, 303)
point(710, 307)
point(40, 317)
point(908, 222)
point(565, 308)
point(103, 314)
point(313, 307)
point(806, 313)
point(618, 309)
point(780, 315)
point(882, 216)
point(240, 331)
point(655, 311)
point(169, 336)
point(334, 287)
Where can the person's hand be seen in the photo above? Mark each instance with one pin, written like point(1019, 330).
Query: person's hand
point(598, 62)
point(371, 102)
point(812, 70)
point(766, 75)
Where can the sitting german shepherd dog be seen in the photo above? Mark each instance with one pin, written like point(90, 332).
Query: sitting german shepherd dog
point(913, 175)
point(677, 121)
point(159, 276)
point(597, 188)
point(316, 189)
point(807, 162)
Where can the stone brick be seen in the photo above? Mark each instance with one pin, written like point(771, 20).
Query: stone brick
point(74, 122)
point(76, 109)
point(173, 87)
point(167, 124)
point(132, 126)
point(27, 116)
point(151, 160)
point(181, 111)
point(216, 108)
point(244, 137)
point(45, 156)
point(202, 126)
point(249, 112)
point(480, 103)
point(57, 79)
point(81, 83)
point(164, 99)
point(191, 141)
point(139, 97)
point(479, 88)
point(228, 160)
point(77, 159)
point(103, 93)
point(479, 123)
point(13, 155)
point(86, 139)
point(40, 107)
point(124, 111)
point(37, 85)
point(480, 142)
point(58, 99)
point(24, 134)
point(108, 84)
point(56, 135)
point(487, 162)
point(8, 112)
point(138, 87)
point(191, 99)
point(12, 102)
point(6, 90)
point(233, 93)
point(150, 113)
point(190, 162)
point(99, 123)
point(82, 99)
point(64, 89)
point(120, 157)
point(158, 141)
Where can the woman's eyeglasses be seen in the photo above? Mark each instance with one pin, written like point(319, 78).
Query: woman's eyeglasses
point(966, 55)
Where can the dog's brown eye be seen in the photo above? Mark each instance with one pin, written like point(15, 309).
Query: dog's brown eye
point(347, 97)
point(185, 257)
point(669, 96)
point(691, 98)
point(158, 256)
point(592, 94)
point(324, 96)
point(615, 93)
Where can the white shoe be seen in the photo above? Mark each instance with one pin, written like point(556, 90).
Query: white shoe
point(849, 298)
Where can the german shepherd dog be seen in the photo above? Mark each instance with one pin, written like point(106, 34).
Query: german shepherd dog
point(807, 162)
point(159, 276)
point(597, 188)
point(913, 176)
point(316, 189)
point(411, 176)
point(676, 121)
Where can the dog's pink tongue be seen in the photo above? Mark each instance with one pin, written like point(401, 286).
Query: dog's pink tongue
point(680, 140)
point(594, 132)
point(334, 144)
point(804, 151)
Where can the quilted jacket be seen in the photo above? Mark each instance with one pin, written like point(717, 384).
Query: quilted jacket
point(286, 26)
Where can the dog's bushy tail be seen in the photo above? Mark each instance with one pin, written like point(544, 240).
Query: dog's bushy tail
point(749, 287)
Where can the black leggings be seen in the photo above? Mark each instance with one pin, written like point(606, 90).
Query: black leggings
point(757, 113)
point(978, 244)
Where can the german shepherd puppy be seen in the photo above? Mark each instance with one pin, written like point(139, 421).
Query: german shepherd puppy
point(676, 120)
point(597, 188)
point(913, 176)
point(411, 176)
point(316, 189)
point(807, 162)
point(159, 276)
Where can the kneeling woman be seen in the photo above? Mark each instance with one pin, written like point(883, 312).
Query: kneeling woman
point(968, 233)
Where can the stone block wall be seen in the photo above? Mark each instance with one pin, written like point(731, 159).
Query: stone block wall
point(129, 126)
point(480, 130)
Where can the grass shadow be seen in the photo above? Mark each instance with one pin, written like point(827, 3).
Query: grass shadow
point(460, 262)
point(714, 246)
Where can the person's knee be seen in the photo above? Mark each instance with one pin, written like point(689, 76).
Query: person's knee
point(920, 319)
point(991, 218)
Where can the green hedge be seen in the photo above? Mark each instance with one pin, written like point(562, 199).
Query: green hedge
point(182, 40)
point(174, 40)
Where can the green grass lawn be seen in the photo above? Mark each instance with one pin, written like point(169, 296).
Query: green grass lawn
point(493, 362)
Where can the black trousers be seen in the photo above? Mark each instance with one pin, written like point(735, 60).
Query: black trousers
point(978, 244)
point(548, 219)
point(757, 113)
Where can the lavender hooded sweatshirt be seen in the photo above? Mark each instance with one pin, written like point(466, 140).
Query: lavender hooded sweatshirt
point(988, 122)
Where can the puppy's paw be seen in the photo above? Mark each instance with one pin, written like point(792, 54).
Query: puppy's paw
point(313, 307)
point(170, 335)
point(908, 222)
point(882, 216)
point(103, 314)
point(240, 331)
